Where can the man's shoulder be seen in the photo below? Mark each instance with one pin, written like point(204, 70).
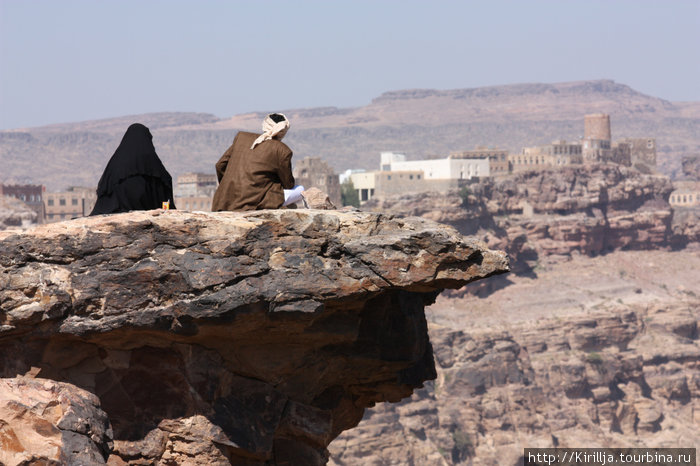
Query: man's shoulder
point(243, 139)
point(246, 135)
point(278, 146)
point(272, 146)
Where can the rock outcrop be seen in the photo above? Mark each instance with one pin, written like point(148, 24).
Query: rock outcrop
point(686, 226)
point(47, 422)
point(253, 338)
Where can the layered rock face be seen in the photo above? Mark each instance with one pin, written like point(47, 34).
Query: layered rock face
point(597, 352)
point(589, 210)
point(686, 226)
point(246, 338)
point(602, 380)
point(580, 349)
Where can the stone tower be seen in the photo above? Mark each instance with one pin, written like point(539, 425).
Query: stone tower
point(597, 126)
point(313, 172)
point(596, 138)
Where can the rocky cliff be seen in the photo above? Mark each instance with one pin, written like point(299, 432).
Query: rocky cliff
point(586, 210)
point(686, 225)
point(192, 338)
point(593, 342)
point(596, 352)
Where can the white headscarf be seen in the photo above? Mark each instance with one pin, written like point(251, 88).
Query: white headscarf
point(272, 129)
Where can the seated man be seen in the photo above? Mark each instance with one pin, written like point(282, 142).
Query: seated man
point(256, 170)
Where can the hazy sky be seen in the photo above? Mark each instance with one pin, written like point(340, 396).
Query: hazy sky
point(67, 60)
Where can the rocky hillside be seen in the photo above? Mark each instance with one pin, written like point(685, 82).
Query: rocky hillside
point(593, 353)
point(575, 210)
point(168, 337)
point(416, 122)
point(690, 168)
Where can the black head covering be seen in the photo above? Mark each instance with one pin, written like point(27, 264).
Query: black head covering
point(276, 117)
point(134, 156)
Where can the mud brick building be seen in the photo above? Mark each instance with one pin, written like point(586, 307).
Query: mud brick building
point(30, 194)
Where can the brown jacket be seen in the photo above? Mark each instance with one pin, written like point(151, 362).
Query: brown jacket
point(252, 179)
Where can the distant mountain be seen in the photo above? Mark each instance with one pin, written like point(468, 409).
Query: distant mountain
point(416, 122)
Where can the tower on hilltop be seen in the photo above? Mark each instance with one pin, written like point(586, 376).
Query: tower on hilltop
point(596, 138)
point(597, 126)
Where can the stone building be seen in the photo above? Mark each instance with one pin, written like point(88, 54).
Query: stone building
point(685, 194)
point(74, 202)
point(313, 172)
point(498, 159)
point(596, 126)
point(195, 191)
point(200, 203)
point(595, 147)
point(365, 183)
point(642, 153)
point(190, 184)
point(370, 184)
point(30, 194)
point(597, 144)
point(557, 154)
point(620, 154)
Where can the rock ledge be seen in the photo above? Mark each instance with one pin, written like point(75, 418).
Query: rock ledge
point(231, 337)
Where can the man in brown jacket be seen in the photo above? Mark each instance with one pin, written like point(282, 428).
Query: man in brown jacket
point(254, 172)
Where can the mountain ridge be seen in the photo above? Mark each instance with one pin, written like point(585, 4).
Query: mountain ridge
point(418, 122)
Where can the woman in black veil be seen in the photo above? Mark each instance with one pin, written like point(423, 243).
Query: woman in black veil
point(135, 178)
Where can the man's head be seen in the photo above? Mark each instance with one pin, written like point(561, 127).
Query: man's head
point(274, 126)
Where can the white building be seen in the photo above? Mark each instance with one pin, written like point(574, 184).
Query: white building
point(450, 168)
point(686, 194)
point(343, 177)
point(398, 175)
point(365, 184)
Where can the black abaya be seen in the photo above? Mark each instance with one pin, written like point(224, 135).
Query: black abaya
point(135, 178)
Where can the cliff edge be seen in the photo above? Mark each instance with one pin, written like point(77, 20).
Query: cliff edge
point(199, 338)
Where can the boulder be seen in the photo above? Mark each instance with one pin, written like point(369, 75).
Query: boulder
point(48, 422)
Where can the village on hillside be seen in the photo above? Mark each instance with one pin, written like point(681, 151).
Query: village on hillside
point(396, 174)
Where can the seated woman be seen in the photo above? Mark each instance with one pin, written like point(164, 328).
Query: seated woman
point(135, 178)
point(256, 171)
